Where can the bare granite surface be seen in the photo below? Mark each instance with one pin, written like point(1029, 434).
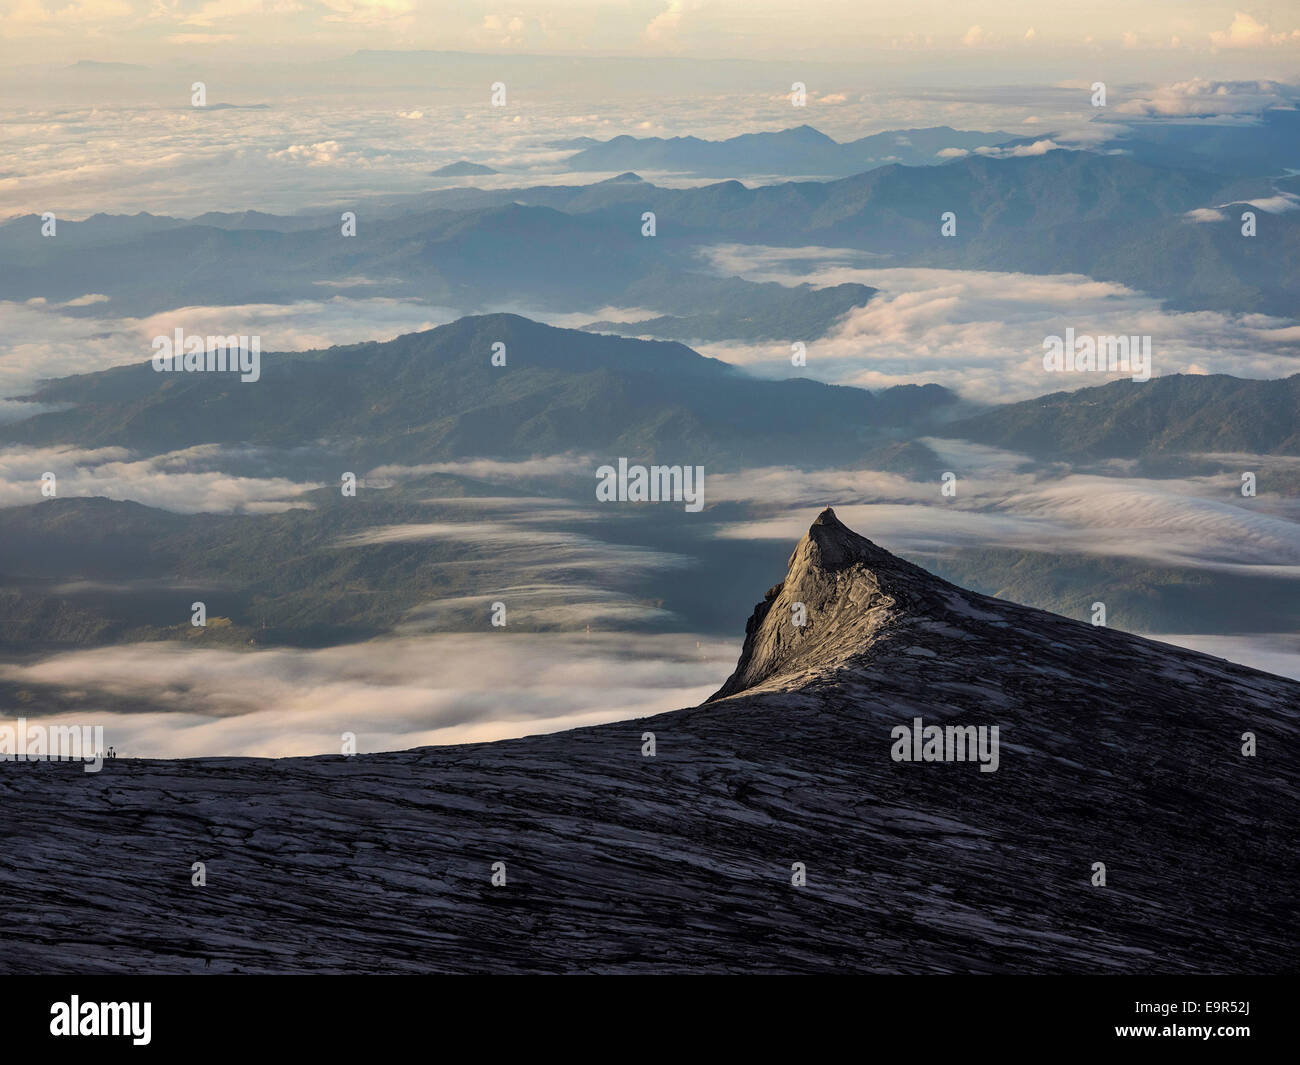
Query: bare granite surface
point(1114, 749)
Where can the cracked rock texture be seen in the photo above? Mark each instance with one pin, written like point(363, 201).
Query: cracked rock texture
point(1114, 749)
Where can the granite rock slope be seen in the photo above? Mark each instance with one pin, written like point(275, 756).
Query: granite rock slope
point(1114, 750)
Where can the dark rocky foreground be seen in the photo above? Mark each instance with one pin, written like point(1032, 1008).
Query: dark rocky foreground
point(1114, 749)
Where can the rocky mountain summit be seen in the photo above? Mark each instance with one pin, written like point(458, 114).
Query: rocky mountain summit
point(849, 590)
point(773, 829)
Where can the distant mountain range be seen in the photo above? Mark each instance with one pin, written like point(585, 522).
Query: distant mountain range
point(1265, 145)
point(436, 395)
point(1106, 216)
point(1086, 807)
point(802, 150)
point(464, 168)
point(1174, 414)
point(716, 309)
point(478, 258)
point(581, 248)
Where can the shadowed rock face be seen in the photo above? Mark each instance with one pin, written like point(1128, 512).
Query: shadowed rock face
point(1114, 749)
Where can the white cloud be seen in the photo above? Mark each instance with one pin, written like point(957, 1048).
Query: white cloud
point(981, 332)
point(543, 549)
point(1276, 653)
point(1283, 201)
point(1245, 31)
point(220, 10)
point(1205, 98)
point(79, 11)
point(174, 481)
point(364, 12)
point(498, 471)
point(1278, 204)
point(37, 342)
point(1015, 151)
point(312, 154)
point(1008, 500)
point(392, 693)
point(662, 30)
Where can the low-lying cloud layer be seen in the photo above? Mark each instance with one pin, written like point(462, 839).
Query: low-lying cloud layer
point(1277, 653)
point(1208, 98)
point(392, 694)
point(1003, 501)
point(981, 332)
point(39, 342)
point(182, 481)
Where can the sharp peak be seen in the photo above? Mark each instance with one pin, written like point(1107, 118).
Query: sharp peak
point(501, 320)
point(845, 589)
point(827, 520)
point(834, 546)
point(804, 129)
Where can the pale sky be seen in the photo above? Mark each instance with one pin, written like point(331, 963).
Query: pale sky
point(1026, 31)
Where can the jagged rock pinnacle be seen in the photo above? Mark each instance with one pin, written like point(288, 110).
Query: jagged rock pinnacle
point(840, 590)
point(832, 545)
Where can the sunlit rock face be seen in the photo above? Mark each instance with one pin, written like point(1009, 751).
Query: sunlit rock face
point(840, 591)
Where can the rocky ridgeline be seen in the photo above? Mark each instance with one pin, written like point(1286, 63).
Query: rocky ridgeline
point(1115, 750)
